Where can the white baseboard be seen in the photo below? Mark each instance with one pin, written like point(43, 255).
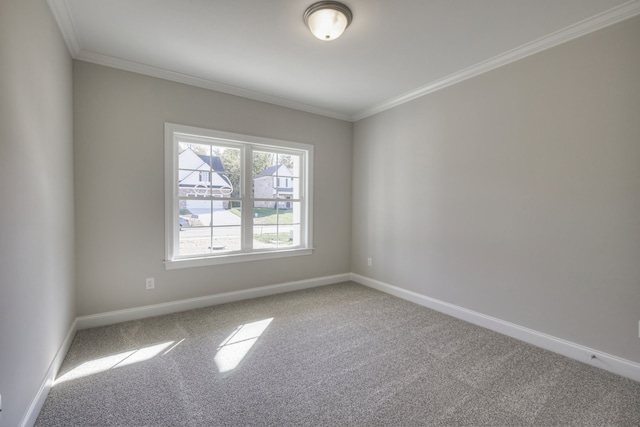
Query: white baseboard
point(118, 316)
point(103, 319)
point(603, 360)
point(617, 365)
point(31, 415)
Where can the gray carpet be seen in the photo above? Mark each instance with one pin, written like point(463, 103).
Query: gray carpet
point(338, 355)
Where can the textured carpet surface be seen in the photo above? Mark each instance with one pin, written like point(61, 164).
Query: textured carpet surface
point(338, 355)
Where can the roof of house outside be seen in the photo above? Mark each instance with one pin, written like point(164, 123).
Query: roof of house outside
point(217, 179)
point(213, 161)
point(271, 171)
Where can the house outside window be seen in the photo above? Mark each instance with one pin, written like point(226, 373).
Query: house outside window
point(205, 177)
point(232, 198)
point(201, 174)
point(274, 183)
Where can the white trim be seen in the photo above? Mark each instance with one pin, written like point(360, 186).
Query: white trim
point(103, 319)
point(578, 352)
point(32, 413)
point(174, 133)
point(238, 138)
point(62, 15)
point(109, 318)
point(174, 76)
point(597, 22)
point(64, 19)
point(609, 17)
point(232, 258)
point(170, 192)
point(608, 362)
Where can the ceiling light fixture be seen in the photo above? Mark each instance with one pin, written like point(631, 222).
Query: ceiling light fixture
point(327, 20)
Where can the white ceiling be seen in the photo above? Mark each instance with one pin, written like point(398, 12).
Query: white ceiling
point(394, 50)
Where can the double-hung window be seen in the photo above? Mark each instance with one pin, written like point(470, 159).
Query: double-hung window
point(233, 197)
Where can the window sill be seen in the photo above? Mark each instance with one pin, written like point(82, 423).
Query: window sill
point(228, 259)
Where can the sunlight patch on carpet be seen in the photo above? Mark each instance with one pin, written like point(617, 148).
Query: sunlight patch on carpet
point(237, 345)
point(119, 360)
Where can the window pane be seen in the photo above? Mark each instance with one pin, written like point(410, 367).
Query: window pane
point(226, 162)
point(209, 240)
point(188, 155)
point(226, 213)
point(194, 241)
point(209, 226)
point(263, 161)
point(295, 233)
point(264, 213)
point(265, 225)
point(207, 171)
point(195, 213)
point(206, 213)
point(288, 188)
point(264, 168)
point(275, 175)
point(296, 167)
point(274, 227)
point(289, 222)
point(227, 232)
point(206, 182)
point(269, 237)
point(285, 215)
point(194, 234)
point(234, 181)
point(291, 163)
point(226, 239)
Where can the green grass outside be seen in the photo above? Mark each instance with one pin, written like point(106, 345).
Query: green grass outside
point(268, 216)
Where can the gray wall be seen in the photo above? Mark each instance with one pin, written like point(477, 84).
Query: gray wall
point(516, 193)
point(36, 212)
point(119, 178)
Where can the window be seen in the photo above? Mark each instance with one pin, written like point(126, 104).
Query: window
point(233, 198)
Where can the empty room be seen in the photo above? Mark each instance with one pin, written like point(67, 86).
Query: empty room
point(300, 213)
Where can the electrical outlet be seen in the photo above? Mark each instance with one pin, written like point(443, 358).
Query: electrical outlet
point(369, 262)
point(150, 283)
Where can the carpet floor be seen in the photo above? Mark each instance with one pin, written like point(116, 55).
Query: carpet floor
point(337, 355)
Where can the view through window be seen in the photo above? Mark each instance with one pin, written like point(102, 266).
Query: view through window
point(230, 196)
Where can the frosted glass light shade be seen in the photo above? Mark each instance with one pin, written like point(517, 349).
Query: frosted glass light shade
point(327, 20)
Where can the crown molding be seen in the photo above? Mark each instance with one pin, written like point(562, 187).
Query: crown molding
point(62, 15)
point(64, 19)
point(597, 22)
point(151, 71)
point(612, 16)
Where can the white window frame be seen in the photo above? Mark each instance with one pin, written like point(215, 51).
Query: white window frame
point(173, 133)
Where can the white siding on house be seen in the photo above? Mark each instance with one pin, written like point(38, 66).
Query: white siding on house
point(195, 177)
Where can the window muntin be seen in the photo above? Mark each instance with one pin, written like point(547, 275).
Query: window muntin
point(235, 197)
